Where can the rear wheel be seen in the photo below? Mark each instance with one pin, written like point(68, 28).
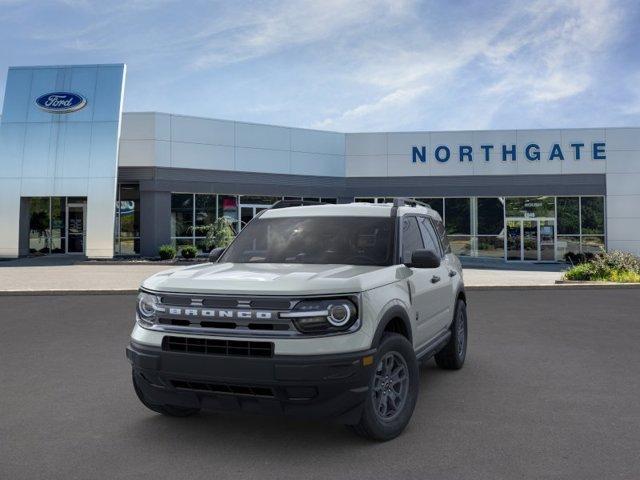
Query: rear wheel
point(169, 410)
point(452, 356)
point(393, 390)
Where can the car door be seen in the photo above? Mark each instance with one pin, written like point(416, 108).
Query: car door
point(424, 284)
point(446, 284)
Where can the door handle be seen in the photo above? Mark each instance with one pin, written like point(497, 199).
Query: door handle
point(435, 279)
point(452, 273)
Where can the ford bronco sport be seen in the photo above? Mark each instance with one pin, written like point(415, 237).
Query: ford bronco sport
point(312, 311)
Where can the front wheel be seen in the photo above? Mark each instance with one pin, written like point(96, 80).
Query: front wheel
point(393, 390)
point(452, 356)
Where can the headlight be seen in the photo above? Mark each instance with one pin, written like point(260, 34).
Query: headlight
point(147, 308)
point(323, 316)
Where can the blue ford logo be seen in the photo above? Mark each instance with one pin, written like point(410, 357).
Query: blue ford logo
point(61, 102)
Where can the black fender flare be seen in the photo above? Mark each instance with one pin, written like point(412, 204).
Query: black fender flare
point(396, 311)
point(460, 294)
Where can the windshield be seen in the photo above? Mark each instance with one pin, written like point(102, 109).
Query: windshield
point(323, 240)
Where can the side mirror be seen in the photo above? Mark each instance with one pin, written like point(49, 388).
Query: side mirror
point(424, 259)
point(215, 254)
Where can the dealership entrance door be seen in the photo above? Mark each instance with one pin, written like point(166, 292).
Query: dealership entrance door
point(57, 225)
point(530, 239)
point(76, 220)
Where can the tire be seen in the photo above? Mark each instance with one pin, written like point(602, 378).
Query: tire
point(452, 356)
point(380, 420)
point(168, 410)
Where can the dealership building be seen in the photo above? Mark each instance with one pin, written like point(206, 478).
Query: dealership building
point(79, 176)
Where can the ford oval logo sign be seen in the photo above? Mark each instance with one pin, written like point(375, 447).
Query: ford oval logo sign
point(61, 102)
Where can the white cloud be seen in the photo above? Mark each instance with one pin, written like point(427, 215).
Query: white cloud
point(246, 34)
point(542, 53)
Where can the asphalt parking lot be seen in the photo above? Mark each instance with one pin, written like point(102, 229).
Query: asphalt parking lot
point(550, 390)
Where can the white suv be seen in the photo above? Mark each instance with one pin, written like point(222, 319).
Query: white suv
point(312, 311)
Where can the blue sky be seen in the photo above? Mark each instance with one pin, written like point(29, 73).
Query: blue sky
point(351, 65)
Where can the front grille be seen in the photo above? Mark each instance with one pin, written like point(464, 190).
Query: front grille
point(221, 314)
point(253, 391)
point(207, 346)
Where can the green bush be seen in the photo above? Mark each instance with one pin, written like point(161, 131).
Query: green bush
point(582, 271)
point(612, 266)
point(166, 252)
point(189, 251)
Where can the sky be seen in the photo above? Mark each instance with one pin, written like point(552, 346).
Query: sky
point(351, 65)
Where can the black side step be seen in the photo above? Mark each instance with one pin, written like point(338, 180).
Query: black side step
point(434, 346)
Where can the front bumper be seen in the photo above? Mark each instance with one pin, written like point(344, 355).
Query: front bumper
point(318, 386)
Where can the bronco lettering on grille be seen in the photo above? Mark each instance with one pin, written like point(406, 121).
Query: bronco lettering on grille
point(217, 313)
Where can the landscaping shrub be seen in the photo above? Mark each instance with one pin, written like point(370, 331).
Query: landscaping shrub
point(614, 266)
point(166, 252)
point(582, 271)
point(189, 251)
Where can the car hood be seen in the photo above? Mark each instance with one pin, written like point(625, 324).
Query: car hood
point(271, 279)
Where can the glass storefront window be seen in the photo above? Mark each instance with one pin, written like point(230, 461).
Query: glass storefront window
point(490, 216)
point(457, 216)
point(181, 214)
point(530, 207)
point(259, 200)
point(567, 244)
point(592, 214)
point(490, 246)
point(460, 244)
point(568, 215)
point(205, 210)
point(228, 208)
point(39, 225)
point(48, 229)
point(127, 228)
point(592, 244)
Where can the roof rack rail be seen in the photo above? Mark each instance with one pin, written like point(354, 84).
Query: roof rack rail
point(403, 201)
point(295, 203)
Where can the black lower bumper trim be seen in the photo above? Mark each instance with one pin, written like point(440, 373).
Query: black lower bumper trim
point(322, 386)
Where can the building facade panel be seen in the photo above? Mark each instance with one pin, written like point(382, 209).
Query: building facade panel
point(70, 116)
point(513, 194)
point(202, 130)
point(315, 141)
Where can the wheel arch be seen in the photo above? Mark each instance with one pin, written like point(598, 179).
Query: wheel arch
point(395, 319)
point(461, 295)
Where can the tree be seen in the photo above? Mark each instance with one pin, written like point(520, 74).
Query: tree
point(219, 234)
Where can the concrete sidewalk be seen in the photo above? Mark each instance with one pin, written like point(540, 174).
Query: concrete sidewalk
point(41, 275)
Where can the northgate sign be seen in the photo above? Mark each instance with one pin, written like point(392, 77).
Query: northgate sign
point(532, 152)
